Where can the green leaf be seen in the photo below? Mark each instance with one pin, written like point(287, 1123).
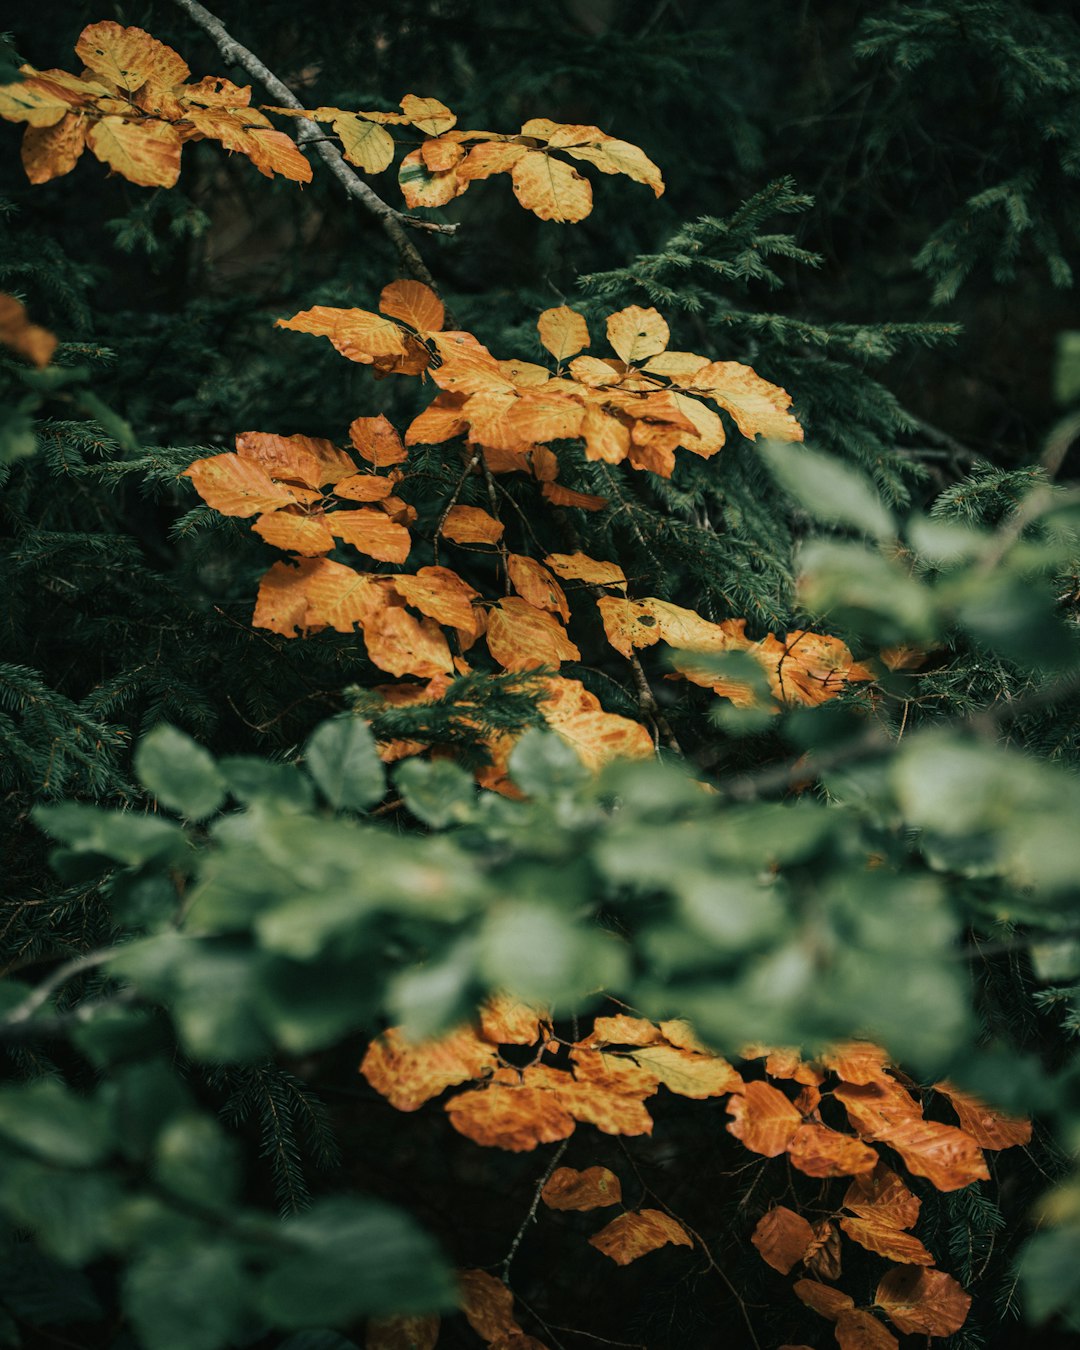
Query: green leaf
point(543, 765)
point(1050, 1274)
point(179, 773)
point(38, 1290)
point(342, 758)
point(197, 1161)
point(121, 835)
point(437, 792)
point(827, 489)
point(189, 1295)
point(250, 779)
point(538, 952)
point(50, 1122)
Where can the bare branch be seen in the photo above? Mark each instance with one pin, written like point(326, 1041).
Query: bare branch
point(393, 222)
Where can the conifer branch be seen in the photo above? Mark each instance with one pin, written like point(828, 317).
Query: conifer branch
point(393, 222)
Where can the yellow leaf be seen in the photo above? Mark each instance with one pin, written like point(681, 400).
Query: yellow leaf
point(634, 1234)
point(597, 737)
point(687, 1074)
point(440, 421)
point(356, 333)
point(427, 114)
point(636, 333)
point(146, 153)
point(129, 57)
point(535, 584)
point(413, 303)
point(612, 156)
point(296, 459)
point(580, 567)
point(51, 152)
point(594, 1188)
point(214, 90)
point(37, 344)
point(402, 645)
point(520, 637)
point(420, 187)
point(563, 332)
point(372, 532)
point(678, 367)
point(471, 525)
point(34, 103)
point(365, 144)
point(236, 486)
point(623, 1030)
point(758, 407)
point(294, 534)
point(550, 188)
point(316, 593)
point(409, 1073)
point(708, 435)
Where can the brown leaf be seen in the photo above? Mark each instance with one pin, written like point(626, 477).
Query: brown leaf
point(946, 1156)
point(636, 333)
point(823, 1256)
point(782, 1237)
point(295, 459)
point(37, 344)
point(593, 1188)
point(402, 645)
point(563, 332)
point(860, 1330)
point(402, 1333)
point(146, 153)
point(829, 1302)
point(292, 533)
point(364, 487)
point(764, 1119)
point(989, 1128)
point(441, 594)
point(883, 1198)
point(517, 1341)
point(875, 1108)
point(510, 1117)
point(52, 151)
point(550, 188)
point(926, 1302)
point(377, 441)
point(372, 532)
point(409, 1073)
point(471, 525)
point(487, 1304)
point(413, 303)
point(564, 496)
point(877, 1236)
point(821, 1152)
point(637, 1233)
point(536, 585)
point(521, 637)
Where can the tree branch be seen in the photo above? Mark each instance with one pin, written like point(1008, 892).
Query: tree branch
point(393, 222)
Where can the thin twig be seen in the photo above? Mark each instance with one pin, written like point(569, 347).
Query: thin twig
point(556, 1158)
point(22, 1012)
point(393, 222)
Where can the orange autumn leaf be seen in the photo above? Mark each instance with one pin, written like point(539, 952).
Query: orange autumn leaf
point(893, 1243)
point(356, 333)
point(550, 188)
point(883, 1198)
point(413, 303)
point(857, 1329)
point(471, 525)
point(946, 1156)
point(236, 486)
point(563, 332)
point(598, 737)
point(593, 1188)
point(364, 487)
point(623, 1030)
point(377, 441)
point(487, 1304)
point(517, 1341)
point(821, 1152)
point(402, 1333)
point(923, 1302)
point(372, 532)
point(145, 153)
point(782, 1237)
point(580, 567)
point(409, 1073)
point(507, 1021)
point(520, 637)
point(129, 57)
point(757, 407)
point(37, 344)
point(829, 1302)
point(875, 1108)
point(784, 1062)
point(306, 535)
point(402, 645)
point(421, 186)
point(763, 1119)
point(989, 1128)
point(308, 460)
point(809, 668)
point(564, 496)
point(50, 152)
point(510, 1117)
point(638, 1232)
point(443, 596)
point(536, 585)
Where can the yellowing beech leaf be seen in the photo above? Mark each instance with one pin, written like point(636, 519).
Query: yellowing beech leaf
point(809, 668)
point(551, 189)
point(491, 157)
point(764, 1119)
point(821, 1152)
point(402, 1333)
point(355, 333)
point(409, 1073)
point(858, 1329)
point(50, 152)
point(37, 344)
point(564, 496)
point(708, 436)
point(563, 332)
point(471, 525)
point(372, 532)
point(33, 102)
point(442, 152)
point(689, 1075)
point(295, 459)
point(677, 1031)
point(236, 486)
point(923, 1302)
point(642, 623)
point(990, 1129)
point(612, 156)
point(580, 567)
point(439, 421)
point(536, 586)
point(757, 407)
point(427, 114)
point(420, 187)
point(594, 1188)
point(507, 1021)
point(893, 1243)
point(830, 1303)
point(441, 594)
point(597, 737)
point(521, 637)
point(368, 146)
point(606, 435)
point(782, 1237)
point(315, 593)
point(676, 366)
point(623, 1030)
point(487, 1304)
point(129, 57)
point(883, 1198)
point(413, 303)
point(946, 1156)
point(607, 1106)
point(513, 1118)
point(293, 533)
point(402, 645)
point(788, 1063)
point(364, 487)
point(637, 333)
point(146, 153)
point(637, 1233)
point(377, 441)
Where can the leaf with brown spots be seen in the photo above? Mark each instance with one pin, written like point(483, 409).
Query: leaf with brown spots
point(593, 1188)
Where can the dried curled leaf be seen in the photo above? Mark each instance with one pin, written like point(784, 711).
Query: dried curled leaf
point(923, 1302)
point(782, 1237)
point(593, 1188)
point(487, 1304)
point(638, 1232)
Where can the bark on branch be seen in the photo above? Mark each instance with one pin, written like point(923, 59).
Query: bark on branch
point(393, 222)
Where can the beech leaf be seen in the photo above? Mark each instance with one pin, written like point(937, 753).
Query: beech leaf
point(782, 1237)
point(638, 1232)
point(593, 1188)
point(342, 758)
